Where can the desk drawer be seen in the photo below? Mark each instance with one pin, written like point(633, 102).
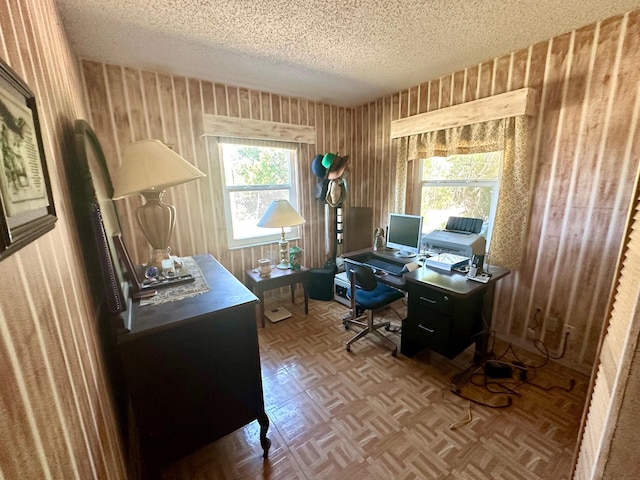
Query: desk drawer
point(431, 299)
point(429, 329)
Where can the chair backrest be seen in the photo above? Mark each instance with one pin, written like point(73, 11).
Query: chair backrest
point(362, 276)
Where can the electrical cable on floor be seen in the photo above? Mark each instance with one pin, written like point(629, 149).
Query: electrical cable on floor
point(395, 328)
point(495, 367)
point(506, 404)
point(572, 383)
point(461, 423)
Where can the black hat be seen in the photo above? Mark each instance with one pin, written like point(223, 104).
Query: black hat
point(322, 186)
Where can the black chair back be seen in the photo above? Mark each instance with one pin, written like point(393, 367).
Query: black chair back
point(364, 276)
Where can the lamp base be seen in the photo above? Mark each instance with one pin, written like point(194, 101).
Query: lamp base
point(156, 220)
point(284, 254)
point(158, 255)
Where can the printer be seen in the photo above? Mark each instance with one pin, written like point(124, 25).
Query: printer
point(466, 244)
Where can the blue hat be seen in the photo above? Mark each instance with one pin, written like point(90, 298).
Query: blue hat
point(316, 166)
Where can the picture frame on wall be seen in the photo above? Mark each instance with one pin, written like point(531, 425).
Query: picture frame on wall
point(26, 204)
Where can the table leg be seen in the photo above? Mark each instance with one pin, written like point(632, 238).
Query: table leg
point(260, 295)
point(482, 339)
point(306, 297)
point(265, 441)
point(293, 292)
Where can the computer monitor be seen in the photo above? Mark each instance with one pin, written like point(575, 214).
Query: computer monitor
point(404, 234)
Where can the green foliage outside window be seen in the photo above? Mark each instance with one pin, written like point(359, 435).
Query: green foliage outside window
point(246, 166)
point(254, 176)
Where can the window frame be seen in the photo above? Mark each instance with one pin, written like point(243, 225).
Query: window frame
point(291, 233)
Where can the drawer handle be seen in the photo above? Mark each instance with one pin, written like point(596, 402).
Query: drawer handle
point(425, 328)
point(428, 300)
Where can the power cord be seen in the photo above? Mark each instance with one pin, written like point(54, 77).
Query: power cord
point(494, 367)
point(484, 404)
point(536, 320)
point(456, 391)
point(395, 328)
point(463, 422)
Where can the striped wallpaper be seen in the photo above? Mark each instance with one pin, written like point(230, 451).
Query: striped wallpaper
point(583, 153)
point(127, 105)
point(56, 417)
point(56, 412)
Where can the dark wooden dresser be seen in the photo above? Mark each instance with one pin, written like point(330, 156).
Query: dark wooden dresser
point(192, 369)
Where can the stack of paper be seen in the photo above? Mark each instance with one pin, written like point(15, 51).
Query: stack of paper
point(446, 261)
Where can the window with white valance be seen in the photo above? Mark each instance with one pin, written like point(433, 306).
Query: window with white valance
point(508, 135)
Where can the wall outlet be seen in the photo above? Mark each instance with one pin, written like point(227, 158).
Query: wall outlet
point(566, 328)
point(552, 324)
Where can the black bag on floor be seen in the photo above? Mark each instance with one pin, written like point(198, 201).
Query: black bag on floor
point(321, 284)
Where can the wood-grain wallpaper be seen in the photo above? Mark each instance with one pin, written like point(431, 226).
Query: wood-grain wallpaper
point(56, 415)
point(583, 152)
point(127, 105)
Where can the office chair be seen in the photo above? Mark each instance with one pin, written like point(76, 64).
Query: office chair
point(367, 296)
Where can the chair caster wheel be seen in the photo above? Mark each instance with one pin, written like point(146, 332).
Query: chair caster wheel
point(348, 348)
point(394, 353)
point(346, 325)
point(387, 328)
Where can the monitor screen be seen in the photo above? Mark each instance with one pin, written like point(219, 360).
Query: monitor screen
point(404, 234)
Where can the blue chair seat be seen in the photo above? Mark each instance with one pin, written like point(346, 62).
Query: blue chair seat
point(378, 297)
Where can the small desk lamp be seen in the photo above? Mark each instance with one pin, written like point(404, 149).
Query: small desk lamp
point(149, 167)
point(280, 214)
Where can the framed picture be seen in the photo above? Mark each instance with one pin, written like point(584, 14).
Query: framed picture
point(26, 203)
point(128, 264)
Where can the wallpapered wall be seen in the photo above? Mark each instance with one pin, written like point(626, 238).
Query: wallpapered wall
point(583, 152)
point(56, 417)
point(127, 105)
point(57, 420)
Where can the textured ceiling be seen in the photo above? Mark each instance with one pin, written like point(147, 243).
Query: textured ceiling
point(343, 52)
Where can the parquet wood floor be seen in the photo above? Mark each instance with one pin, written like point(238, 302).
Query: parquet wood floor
point(366, 415)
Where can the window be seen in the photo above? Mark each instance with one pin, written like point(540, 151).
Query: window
point(255, 173)
point(460, 186)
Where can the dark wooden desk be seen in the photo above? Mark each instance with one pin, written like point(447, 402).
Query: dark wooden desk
point(446, 311)
point(278, 278)
point(192, 369)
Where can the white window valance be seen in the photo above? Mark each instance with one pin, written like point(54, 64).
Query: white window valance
point(447, 134)
point(221, 126)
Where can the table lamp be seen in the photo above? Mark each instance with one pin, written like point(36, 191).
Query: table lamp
point(280, 214)
point(149, 167)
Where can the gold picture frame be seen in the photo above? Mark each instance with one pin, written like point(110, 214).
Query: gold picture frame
point(26, 203)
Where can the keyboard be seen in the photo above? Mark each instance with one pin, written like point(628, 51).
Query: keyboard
point(389, 267)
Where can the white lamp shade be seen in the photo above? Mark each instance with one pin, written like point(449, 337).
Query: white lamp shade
point(279, 214)
point(151, 165)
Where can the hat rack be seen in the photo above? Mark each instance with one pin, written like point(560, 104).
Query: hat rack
point(331, 166)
